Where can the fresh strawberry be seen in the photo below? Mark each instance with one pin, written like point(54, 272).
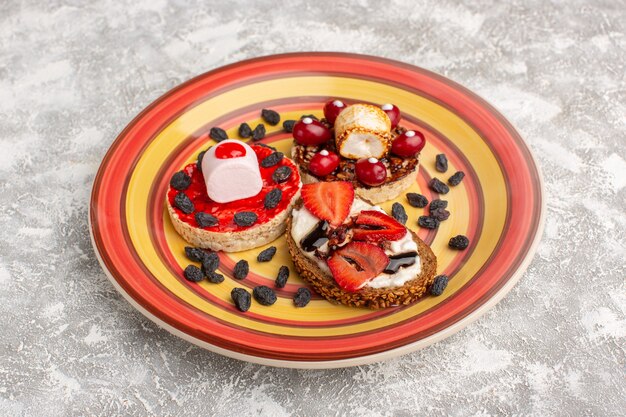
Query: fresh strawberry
point(375, 226)
point(357, 263)
point(329, 201)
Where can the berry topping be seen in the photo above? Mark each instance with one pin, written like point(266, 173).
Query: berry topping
point(399, 213)
point(374, 226)
point(329, 200)
point(270, 116)
point(241, 269)
point(437, 186)
point(281, 174)
point(245, 218)
point(266, 255)
point(459, 242)
point(441, 163)
point(332, 109)
point(205, 219)
point(288, 125)
point(264, 295)
point(271, 160)
point(281, 278)
point(323, 163)
point(456, 178)
point(259, 132)
point(417, 200)
point(393, 112)
point(356, 263)
point(272, 198)
point(302, 297)
point(439, 284)
point(241, 298)
point(180, 181)
point(244, 130)
point(370, 171)
point(193, 273)
point(183, 203)
point(218, 134)
point(230, 150)
point(408, 143)
point(309, 131)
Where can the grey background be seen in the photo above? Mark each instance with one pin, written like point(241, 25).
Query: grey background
point(73, 74)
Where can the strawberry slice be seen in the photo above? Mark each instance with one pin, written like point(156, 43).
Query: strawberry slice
point(329, 201)
point(357, 263)
point(374, 226)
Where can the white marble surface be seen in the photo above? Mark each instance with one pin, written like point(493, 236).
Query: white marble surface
point(73, 73)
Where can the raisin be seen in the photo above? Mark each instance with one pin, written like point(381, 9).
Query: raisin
point(264, 295)
point(456, 178)
point(218, 134)
point(241, 269)
point(266, 255)
point(272, 198)
point(245, 218)
point(417, 200)
point(244, 130)
point(428, 222)
point(436, 204)
point(459, 242)
point(180, 181)
point(194, 254)
point(288, 125)
point(437, 186)
point(441, 163)
point(270, 116)
point(259, 132)
point(183, 203)
point(241, 298)
point(281, 278)
point(205, 219)
point(193, 273)
point(264, 145)
point(440, 214)
point(281, 174)
point(439, 284)
point(312, 116)
point(214, 277)
point(210, 262)
point(302, 297)
point(399, 213)
point(272, 159)
point(199, 163)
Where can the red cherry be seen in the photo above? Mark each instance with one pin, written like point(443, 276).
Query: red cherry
point(408, 144)
point(332, 109)
point(393, 112)
point(230, 150)
point(323, 163)
point(310, 132)
point(370, 171)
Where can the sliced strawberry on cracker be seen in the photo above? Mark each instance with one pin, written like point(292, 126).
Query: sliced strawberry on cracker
point(357, 263)
point(375, 226)
point(329, 201)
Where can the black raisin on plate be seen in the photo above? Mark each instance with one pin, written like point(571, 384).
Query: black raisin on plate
point(193, 273)
point(241, 269)
point(272, 198)
point(183, 203)
point(459, 242)
point(241, 298)
point(205, 219)
point(281, 278)
point(200, 156)
point(218, 134)
point(416, 200)
point(456, 179)
point(288, 125)
point(210, 262)
point(264, 295)
point(311, 116)
point(195, 254)
point(245, 218)
point(399, 213)
point(244, 130)
point(437, 204)
point(215, 278)
point(272, 159)
point(265, 145)
point(428, 222)
point(437, 186)
point(302, 297)
point(180, 181)
point(440, 214)
point(271, 117)
point(439, 284)
point(441, 163)
point(266, 255)
point(259, 132)
point(281, 174)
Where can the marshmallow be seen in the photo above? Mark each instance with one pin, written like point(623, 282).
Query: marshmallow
point(362, 131)
point(231, 171)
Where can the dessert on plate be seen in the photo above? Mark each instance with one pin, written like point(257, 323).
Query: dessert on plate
point(352, 252)
point(362, 144)
point(236, 197)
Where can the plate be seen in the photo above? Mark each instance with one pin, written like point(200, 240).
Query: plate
point(499, 206)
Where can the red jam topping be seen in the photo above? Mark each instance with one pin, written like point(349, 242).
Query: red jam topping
point(230, 150)
point(226, 211)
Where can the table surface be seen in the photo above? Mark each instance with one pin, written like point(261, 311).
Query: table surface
point(72, 75)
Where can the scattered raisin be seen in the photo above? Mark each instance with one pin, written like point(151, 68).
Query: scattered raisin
point(428, 222)
point(456, 178)
point(439, 284)
point(214, 277)
point(264, 295)
point(199, 163)
point(441, 163)
point(272, 159)
point(312, 116)
point(193, 273)
point(241, 298)
point(266, 255)
point(437, 186)
point(459, 242)
point(288, 125)
point(245, 218)
point(440, 214)
point(259, 132)
point(180, 181)
point(205, 219)
point(218, 134)
point(302, 297)
point(270, 116)
point(241, 269)
point(210, 262)
point(244, 130)
point(272, 198)
point(183, 203)
point(194, 254)
point(399, 213)
point(436, 204)
point(281, 174)
point(281, 278)
point(417, 200)
point(264, 145)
